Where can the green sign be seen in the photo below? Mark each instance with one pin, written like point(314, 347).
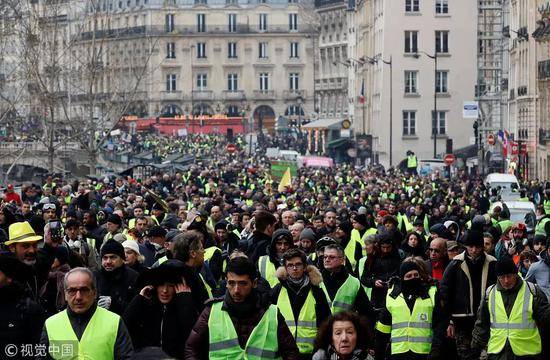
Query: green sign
point(278, 168)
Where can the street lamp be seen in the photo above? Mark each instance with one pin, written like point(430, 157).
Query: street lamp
point(434, 116)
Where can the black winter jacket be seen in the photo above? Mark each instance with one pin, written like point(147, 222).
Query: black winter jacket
point(153, 324)
point(119, 285)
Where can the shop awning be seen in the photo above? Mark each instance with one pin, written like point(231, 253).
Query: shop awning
point(324, 124)
point(337, 143)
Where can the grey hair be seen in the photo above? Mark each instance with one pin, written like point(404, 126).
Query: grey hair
point(81, 270)
point(336, 247)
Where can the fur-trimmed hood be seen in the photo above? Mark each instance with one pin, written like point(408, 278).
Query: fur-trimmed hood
point(315, 277)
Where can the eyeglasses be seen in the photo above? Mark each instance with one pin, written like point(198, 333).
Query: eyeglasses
point(83, 291)
point(434, 250)
point(331, 257)
point(295, 266)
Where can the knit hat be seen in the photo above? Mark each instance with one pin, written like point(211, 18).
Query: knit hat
point(309, 234)
point(346, 227)
point(221, 225)
point(382, 213)
point(361, 219)
point(113, 247)
point(473, 238)
point(505, 266)
point(132, 245)
point(120, 237)
point(407, 266)
point(115, 219)
point(362, 210)
point(157, 231)
point(279, 233)
point(441, 231)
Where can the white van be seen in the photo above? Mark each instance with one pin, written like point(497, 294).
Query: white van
point(505, 181)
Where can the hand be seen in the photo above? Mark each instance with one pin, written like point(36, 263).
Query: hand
point(147, 291)
point(104, 302)
point(379, 283)
point(182, 287)
point(451, 331)
point(512, 250)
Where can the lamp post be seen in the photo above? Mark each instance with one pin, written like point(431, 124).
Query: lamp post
point(299, 101)
point(434, 117)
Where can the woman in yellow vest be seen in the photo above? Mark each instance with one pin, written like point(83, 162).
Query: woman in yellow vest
point(410, 318)
point(300, 299)
point(510, 316)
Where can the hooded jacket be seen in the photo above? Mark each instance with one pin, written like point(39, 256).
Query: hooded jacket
point(298, 298)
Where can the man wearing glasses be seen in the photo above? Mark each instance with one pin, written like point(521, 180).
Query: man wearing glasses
point(299, 299)
point(343, 291)
point(85, 330)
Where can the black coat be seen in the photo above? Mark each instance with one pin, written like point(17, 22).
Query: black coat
point(153, 324)
point(22, 318)
point(119, 285)
point(258, 246)
point(383, 268)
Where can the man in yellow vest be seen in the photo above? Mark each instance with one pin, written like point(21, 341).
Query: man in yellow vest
point(343, 291)
point(412, 163)
point(510, 317)
point(281, 241)
point(85, 330)
point(410, 317)
point(241, 325)
point(299, 299)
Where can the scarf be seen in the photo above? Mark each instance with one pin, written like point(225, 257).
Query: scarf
point(298, 284)
point(244, 309)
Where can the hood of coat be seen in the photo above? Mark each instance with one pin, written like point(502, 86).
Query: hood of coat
point(315, 277)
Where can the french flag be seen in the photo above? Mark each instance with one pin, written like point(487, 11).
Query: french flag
point(362, 95)
point(503, 136)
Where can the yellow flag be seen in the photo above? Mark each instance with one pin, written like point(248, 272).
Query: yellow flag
point(286, 180)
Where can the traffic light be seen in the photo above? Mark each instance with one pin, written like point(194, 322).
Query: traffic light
point(476, 130)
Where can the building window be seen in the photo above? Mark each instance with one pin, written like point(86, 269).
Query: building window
point(409, 123)
point(232, 21)
point(411, 42)
point(201, 23)
point(293, 22)
point(201, 82)
point(201, 50)
point(294, 84)
point(264, 81)
point(262, 50)
point(170, 50)
point(412, 6)
point(232, 50)
point(442, 42)
point(441, 81)
point(171, 82)
point(440, 124)
point(294, 50)
point(263, 22)
point(169, 23)
point(441, 6)
point(232, 82)
point(411, 82)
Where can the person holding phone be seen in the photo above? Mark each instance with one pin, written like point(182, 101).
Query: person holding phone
point(163, 313)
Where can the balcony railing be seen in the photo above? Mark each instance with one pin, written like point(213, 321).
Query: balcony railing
point(264, 94)
point(294, 94)
point(171, 95)
point(203, 95)
point(236, 95)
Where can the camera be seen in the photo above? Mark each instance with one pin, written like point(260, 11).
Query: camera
point(56, 231)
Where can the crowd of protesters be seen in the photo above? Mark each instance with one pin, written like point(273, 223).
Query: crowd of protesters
point(221, 262)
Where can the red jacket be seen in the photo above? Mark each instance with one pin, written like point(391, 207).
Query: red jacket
point(9, 197)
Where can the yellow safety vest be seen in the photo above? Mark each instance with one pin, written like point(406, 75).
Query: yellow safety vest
point(361, 268)
point(304, 329)
point(97, 341)
point(411, 161)
point(519, 329)
point(410, 331)
point(345, 296)
point(224, 343)
point(268, 271)
point(206, 286)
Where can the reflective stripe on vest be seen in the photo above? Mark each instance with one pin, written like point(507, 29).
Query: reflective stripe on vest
point(361, 268)
point(206, 286)
point(345, 296)
point(268, 271)
point(304, 329)
point(519, 329)
point(97, 341)
point(411, 331)
point(224, 343)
